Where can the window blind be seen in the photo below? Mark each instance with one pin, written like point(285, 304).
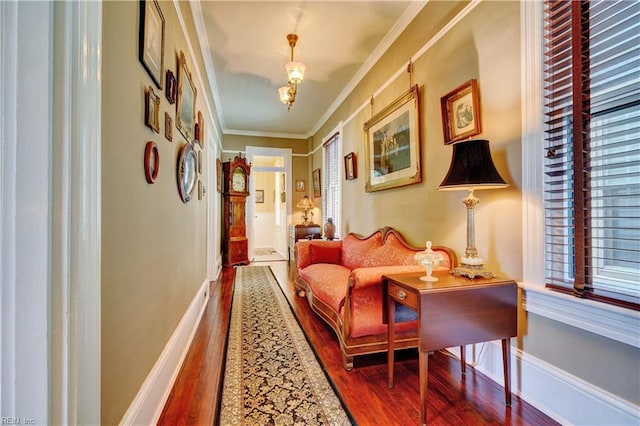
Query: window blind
point(331, 192)
point(592, 158)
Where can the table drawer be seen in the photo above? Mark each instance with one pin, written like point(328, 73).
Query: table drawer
point(403, 296)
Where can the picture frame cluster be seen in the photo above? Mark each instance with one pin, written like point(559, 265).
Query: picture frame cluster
point(179, 89)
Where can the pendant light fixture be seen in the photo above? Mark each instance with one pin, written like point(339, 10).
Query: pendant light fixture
point(295, 75)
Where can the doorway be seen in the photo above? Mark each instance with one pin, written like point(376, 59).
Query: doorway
point(269, 204)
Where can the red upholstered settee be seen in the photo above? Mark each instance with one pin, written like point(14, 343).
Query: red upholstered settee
point(343, 283)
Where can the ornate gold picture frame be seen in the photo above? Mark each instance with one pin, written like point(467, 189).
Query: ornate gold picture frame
point(392, 144)
point(186, 104)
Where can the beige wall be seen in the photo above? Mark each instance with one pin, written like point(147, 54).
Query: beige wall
point(153, 244)
point(476, 48)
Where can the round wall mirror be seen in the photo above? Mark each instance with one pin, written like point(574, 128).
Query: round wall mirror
point(186, 172)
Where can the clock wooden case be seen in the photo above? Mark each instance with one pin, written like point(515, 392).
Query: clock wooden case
point(235, 183)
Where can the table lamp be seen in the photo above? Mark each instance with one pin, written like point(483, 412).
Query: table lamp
point(471, 168)
point(306, 205)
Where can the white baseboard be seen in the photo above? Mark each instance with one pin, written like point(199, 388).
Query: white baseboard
point(146, 407)
point(560, 395)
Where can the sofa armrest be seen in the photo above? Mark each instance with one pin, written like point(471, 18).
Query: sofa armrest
point(302, 250)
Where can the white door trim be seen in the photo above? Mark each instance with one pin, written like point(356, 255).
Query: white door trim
point(250, 152)
point(77, 196)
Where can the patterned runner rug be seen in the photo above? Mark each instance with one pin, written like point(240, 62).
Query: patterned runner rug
point(272, 376)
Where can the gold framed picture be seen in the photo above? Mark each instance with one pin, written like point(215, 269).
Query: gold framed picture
point(392, 144)
point(152, 109)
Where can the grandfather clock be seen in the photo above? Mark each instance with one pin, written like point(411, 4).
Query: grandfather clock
point(235, 250)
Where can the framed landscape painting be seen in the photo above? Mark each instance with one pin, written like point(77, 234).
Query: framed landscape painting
point(392, 144)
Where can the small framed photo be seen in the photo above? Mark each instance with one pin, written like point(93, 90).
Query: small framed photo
point(199, 130)
point(461, 112)
point(171, 87)
point(350, 164)
point(300, 185)
point(168, 126)
point(151, 40)
point(316, 183)
point(259, 196)
point(218, 175)
point(201, 190)
point(151, 109)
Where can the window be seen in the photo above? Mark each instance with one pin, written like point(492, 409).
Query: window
point(592, 149)
point(331, 194)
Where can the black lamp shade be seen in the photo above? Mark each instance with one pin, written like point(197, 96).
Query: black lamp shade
point(472, 167)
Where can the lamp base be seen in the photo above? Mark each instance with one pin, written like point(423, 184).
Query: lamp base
point(472, 271)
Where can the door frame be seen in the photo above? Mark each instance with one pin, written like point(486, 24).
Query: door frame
point(251, 152)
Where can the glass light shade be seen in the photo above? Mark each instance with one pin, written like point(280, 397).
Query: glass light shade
point(295, 71)
point(305, 203)
point(284, 94)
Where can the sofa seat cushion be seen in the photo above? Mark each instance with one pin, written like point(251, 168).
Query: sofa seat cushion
point(328, 283)
point(367, 301)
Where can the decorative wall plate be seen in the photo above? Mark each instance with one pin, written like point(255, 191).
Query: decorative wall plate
point(186, 172)
point(151, 162)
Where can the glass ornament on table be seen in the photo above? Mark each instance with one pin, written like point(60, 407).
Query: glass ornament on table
point(429, 259)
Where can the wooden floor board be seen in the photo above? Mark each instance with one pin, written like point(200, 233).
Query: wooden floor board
point(453, 398)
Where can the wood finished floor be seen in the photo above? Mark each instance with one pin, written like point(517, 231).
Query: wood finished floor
point(453, 399)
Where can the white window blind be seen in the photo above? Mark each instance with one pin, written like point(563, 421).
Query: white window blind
point(331, 193)
point(592, 158)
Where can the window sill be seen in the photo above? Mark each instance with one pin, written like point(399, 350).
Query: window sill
point(605, 320)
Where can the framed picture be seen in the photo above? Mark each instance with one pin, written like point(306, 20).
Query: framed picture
point(168, 126)
point(199, 130)
point(201, 190)
point(218, 175)
point(461, 112)
point(151, 40)
point(186, 104)
point(350, 164)
point(392, 144)
point(316, 183)
point(300, 185)
point(151, 109)
point(260, 196)
point(172, 87)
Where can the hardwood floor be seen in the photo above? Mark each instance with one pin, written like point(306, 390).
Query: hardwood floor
point(453, 399)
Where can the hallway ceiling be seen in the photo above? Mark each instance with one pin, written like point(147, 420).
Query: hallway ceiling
point(245, 50)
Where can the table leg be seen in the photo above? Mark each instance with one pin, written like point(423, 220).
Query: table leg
point(506, 365)
point(423, 357)
point(463, 361)
point(391, 319)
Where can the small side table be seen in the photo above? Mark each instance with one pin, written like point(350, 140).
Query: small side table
point(301, 232)
point(454, 311)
